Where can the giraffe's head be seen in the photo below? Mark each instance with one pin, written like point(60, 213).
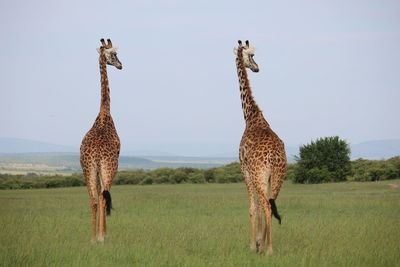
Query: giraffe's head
point(110, 53)
point(247, 53)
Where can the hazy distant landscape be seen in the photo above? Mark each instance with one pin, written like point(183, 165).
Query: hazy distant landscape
point(66, 163)
point(22, 156)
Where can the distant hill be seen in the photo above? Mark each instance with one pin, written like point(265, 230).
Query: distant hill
point(378, 149)
point(148, 159)
point(63, 163)
point(16, 145)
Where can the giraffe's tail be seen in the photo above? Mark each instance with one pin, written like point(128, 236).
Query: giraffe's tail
point(275, 210)
point(107, 196)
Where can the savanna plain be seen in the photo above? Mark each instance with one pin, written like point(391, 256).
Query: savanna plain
point(338, 224)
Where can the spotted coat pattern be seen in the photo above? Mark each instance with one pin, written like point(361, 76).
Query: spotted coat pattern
point(99, 155)
point(262, 159)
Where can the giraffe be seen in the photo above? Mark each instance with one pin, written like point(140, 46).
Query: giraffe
point(262, 156)
point(100, 148)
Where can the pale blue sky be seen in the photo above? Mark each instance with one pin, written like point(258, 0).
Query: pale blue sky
point(326, 68)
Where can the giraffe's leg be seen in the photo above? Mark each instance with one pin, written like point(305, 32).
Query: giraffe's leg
point(102, 215)
point(252, 212)
point(267, 234)
point(107, 173)
point(268, 230)
point(260, 224)
point(274, 183)
point(268, 216)
point(263, 199)
point(92, 190)
point(102, 218)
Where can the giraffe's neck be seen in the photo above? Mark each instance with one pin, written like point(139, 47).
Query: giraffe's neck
point(105, 89)
point(249, 105)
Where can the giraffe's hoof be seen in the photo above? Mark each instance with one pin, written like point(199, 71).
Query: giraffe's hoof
point(253, 247)
point(258, 245)
point(269, 251)
point(100, 239)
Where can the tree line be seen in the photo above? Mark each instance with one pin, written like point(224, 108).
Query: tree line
point(361, 170)
point(225, 174)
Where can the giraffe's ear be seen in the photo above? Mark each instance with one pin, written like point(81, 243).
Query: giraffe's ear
point(98, 50)
point(250, 50)
point(235, 50)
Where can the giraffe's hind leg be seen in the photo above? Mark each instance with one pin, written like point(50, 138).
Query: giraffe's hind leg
point(91, 185)
point(259, 225)
point(252, 211)
point(107, 172)
point(102, 219)
point(268, 230)
point(262, 193)
point(102, 203)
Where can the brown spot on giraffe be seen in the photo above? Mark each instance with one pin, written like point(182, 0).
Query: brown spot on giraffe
point(262, 156)
point(100, 149)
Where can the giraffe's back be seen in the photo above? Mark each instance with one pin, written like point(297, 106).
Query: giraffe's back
point(261, 144)
point(262, 151)
point(100, 146)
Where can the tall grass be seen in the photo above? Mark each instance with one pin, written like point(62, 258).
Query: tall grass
point(345, 224)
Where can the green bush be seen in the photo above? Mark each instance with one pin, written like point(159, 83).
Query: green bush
point(129, 177)
point(230, 173)
point(179, 176)
point(318, 175)
point(147, 180)
point(196, 178)
point(375, 170)
point(291, 171)
point(330, 155)
point(209, 175)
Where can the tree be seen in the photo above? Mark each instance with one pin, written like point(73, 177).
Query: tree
point(325, 160)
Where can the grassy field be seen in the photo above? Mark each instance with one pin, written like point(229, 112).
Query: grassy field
point(345, 224)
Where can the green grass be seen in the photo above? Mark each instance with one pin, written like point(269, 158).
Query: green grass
point(344, 224)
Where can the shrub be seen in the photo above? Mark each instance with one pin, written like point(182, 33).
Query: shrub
point(129, 177)
point(196, 178)
point(329, 155)
point(317, 175)
point(209, 175)
point(230, 173)
point(375, 170)
point(178, 176)
point(290, 171)
point(147, 180)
